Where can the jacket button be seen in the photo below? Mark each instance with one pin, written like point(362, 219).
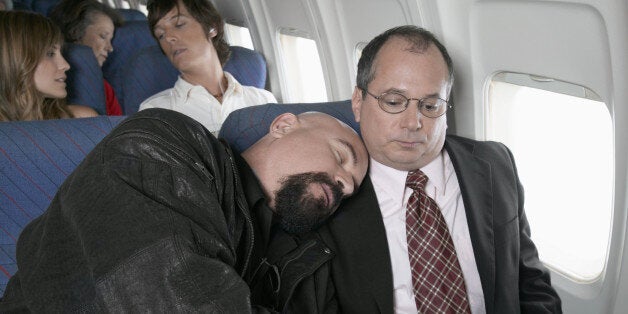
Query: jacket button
point(327, 250)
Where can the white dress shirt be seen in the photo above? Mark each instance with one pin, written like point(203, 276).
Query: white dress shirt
point(443, 187)
point(196, 102)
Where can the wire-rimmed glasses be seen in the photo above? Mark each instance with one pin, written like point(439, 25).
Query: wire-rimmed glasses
point(393, 102)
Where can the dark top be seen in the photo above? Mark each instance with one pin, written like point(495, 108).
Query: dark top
point(154, 219)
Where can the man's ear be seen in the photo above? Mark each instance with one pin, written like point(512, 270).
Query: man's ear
point(283, 124)
point(356, 103)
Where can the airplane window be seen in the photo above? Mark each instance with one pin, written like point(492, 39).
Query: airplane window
point(303, 72)
point(238, 36)
point(562, 139)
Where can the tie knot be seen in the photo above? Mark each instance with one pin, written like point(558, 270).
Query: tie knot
point(416, 180)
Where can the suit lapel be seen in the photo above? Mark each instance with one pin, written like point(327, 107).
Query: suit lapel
point(363, 265)
point(474, 177)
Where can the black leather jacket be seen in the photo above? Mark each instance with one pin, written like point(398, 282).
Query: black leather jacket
point(153, 220)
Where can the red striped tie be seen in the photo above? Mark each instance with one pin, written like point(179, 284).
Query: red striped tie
point(436, 275)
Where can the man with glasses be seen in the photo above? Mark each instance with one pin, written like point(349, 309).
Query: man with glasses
point(439, 224)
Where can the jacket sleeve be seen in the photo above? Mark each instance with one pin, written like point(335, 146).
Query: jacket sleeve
point(536, 294)
point(162, 235)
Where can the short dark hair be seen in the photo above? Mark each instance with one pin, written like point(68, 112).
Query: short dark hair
point(420, 39)
point(73, 17)
point(203, 11)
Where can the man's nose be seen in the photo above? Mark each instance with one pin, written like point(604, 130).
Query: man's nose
point(411, 117)
point(345, 180)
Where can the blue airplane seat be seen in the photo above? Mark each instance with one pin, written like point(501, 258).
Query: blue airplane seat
point(43, 6)
point(23, 5)
point(85, 78)
point(149, 72)
point(245, 126)
point(128, 39)
point(247, 66)
point(35, 158)
point(131, 15)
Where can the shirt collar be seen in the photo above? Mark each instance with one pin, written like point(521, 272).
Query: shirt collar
point(390, 180)
point(184, 89)
point(435, 171)
point(393, 181)
point(234, 86)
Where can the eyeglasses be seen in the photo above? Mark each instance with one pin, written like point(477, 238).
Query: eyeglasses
point(393, 102)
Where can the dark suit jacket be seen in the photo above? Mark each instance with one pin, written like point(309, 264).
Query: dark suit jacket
point(513, 279)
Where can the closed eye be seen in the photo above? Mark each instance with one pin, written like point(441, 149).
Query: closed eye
point(340, 157)
point(394, 103)
point(430, 107)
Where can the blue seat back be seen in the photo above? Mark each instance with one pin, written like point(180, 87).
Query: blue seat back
point(131, 15)
point(245, 126)
point(149, 71)
point(128, 39)
point(84, 79)
point(23, 5)
point(247, 66)
point(43, 6)
point(35, 158)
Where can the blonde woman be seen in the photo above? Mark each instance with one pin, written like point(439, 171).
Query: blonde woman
point(32, 70)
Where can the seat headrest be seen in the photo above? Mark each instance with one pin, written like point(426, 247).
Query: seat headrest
point(245, 126)
point(131, 15)
point(129, 38)
point(43, 6)
point(247, 66)
point(149, 72)
point(84, 78)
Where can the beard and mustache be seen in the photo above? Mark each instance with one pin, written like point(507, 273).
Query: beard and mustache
point(297, 209)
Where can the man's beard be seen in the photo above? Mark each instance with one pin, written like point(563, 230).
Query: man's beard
point(298, 210)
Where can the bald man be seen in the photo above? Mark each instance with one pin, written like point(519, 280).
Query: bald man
point(163, 217)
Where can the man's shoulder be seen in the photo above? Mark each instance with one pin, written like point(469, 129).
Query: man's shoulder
point(462, 148)
point(262, 95)
point(458, 142)
point(467, 140)
point(160, 100)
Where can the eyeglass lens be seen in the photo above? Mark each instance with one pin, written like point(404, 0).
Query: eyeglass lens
point(396, 103)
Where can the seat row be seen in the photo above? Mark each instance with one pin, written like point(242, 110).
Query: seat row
point(137, 69)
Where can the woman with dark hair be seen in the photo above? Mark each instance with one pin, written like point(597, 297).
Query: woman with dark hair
point(190, 33)
point(32, 70)
point(90, 23)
